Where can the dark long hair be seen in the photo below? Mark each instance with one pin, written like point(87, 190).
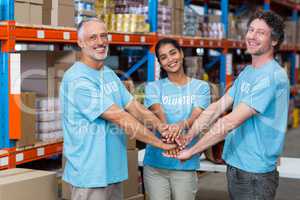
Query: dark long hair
point(162, 42)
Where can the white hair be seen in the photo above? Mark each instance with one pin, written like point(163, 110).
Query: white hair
point(81, 24)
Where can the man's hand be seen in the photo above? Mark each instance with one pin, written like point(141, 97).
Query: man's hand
point(173, 132)
point(184, 140)
point(184, 155)
point(163, 129)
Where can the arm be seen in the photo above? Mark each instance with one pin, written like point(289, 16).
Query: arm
point(188, 123)
point(147, 117)
point(132, 127)
point(220, 129)
point(211, 114)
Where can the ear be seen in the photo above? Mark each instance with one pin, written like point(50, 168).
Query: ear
point(274, 43)
point(80, 43)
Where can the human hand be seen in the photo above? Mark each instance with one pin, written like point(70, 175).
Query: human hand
point(172, 153)
point(173, 132)
point(168, 147)
point(163, 129)
point(182, 155)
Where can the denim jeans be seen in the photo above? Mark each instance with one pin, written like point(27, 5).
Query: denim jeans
point(251, 186)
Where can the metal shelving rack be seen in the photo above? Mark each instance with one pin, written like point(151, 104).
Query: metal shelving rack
point(12, 33)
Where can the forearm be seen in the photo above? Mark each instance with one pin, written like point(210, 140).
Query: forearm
point(136, 130)
point(145, 116)
point(217, 133)
point(204, 121)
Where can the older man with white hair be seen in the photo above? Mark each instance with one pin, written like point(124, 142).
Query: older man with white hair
point(96, 112)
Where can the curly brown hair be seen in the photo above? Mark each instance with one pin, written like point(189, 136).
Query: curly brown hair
point(274, 21)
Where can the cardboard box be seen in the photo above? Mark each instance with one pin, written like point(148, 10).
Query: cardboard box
point(36, 14)
point(37, 1)
point(27, 184)
point(27, 120)
point(34, 64)
point(67, 2)
point(59, 13)
point(131, 185)
point(22, 12)
point(64, 16)
point(27, 1)
point(131, 143)
point(66, 190)
point(37, 85)
point(136, 197)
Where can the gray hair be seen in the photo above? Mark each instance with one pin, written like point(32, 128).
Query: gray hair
point(80, 25)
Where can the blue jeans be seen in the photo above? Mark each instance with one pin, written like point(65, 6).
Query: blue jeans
point(251, 186)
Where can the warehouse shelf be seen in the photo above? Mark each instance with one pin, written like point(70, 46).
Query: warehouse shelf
point(48, 34)
point(15, 156)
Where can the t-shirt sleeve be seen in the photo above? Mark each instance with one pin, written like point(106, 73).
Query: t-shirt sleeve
point(152, 95)
point(261, 94)
point(232, 89)
point(124, 93)
point(89, 98)
point(202, 96)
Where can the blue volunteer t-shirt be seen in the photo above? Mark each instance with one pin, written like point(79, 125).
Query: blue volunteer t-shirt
point(178, 103)
point(95, 149)
point(256, 145)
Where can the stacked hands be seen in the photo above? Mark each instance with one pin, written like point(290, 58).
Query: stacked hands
point(172, 134)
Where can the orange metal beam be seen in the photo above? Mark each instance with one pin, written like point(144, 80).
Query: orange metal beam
point(16, 157)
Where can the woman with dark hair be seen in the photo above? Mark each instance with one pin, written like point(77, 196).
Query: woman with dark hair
point(177, 100)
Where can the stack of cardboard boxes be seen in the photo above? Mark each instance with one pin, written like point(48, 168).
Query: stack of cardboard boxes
point(45, 12)
point(48, 121)
point(177, 16)
point(27, 120)
point(59, 13)
point(29, 11)
point(41, 77)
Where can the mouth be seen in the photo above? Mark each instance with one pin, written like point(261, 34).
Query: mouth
point(252, 44)
point(101, 49)
point(173, 64)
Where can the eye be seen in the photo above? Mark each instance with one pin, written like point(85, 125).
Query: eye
point(173, 52)
point(250, 30)
point(104, 36)
point(261, 33)
point(93, 37)
point(162, 57)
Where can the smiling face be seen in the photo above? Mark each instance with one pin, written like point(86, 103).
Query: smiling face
point(93, 40)
point(170, 58)
point(258, 38)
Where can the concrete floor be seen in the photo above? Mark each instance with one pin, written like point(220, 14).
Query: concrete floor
point(213, 186)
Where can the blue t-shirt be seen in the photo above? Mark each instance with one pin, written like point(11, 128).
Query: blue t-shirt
point(178, 103)
point(95, 149)
point(256, 145)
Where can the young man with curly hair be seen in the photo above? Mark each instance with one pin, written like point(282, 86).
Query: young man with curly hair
point(254, 130)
